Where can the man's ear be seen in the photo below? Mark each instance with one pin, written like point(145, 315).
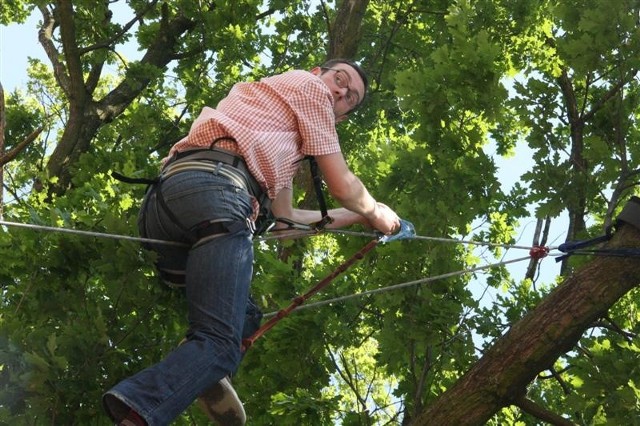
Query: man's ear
point(316, 71)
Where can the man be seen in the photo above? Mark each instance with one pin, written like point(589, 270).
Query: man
point(236, 161)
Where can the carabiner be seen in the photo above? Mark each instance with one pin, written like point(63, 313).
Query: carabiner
point(407, 231)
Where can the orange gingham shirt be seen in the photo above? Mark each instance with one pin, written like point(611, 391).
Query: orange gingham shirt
point(275, 122)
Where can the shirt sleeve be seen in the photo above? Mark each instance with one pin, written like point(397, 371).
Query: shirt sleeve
point(312, 104)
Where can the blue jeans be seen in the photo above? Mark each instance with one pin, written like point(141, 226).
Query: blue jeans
point(218, 276)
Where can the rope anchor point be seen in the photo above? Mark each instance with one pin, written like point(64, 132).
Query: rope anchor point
point(539, 252)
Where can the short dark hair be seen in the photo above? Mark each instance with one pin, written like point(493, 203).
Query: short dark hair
point(331, 62)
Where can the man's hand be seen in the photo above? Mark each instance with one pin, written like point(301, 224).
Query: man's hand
point(384, 219)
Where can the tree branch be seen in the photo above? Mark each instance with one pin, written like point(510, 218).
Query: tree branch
point(77, 91)
point(5, 157)
point(610, 325)
point(346, 32)
point(159, 54)
point(530, 407)
point(3, 123)
point(45, 37)
point(112, 40)
point(610, 94)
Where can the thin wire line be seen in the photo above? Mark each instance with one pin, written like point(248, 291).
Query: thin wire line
point(273, 236)
point(290, 234)
point(90, 233)
point(478, 243)
point(398, 286)
point(286, 233)
point(438, 239)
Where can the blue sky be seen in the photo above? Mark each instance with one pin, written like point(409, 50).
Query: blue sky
point(17, 42)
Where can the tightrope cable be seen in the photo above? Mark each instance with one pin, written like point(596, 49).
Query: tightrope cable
point(400, 286)
point(275, 235)
point(437, 239)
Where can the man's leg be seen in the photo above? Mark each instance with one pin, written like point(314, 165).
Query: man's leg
point(218, 277)
point(221, 402)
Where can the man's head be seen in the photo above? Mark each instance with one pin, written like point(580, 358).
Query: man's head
point(347, 82)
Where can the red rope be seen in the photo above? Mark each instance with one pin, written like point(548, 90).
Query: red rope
point(299, 300)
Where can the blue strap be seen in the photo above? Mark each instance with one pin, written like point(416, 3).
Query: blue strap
point(577, 245)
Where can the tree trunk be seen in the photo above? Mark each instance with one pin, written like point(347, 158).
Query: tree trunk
point(501, 376)
point(346, 33)
point(87, 115)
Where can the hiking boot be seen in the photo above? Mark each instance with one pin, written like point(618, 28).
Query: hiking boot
point(221, 404)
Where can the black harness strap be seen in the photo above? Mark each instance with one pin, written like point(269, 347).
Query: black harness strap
point(317, 184)
point(153, 185)
point(171, 278)
point(207, 229)
point(265, 218)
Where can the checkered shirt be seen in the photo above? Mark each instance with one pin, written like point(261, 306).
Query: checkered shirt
point(275, 122)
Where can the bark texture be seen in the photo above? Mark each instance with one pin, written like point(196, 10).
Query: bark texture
point(346, 33)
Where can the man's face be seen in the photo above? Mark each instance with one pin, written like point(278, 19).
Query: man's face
point(345, 85)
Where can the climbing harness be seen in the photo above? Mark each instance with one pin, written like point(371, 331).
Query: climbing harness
point(406, 231)
point(222, 162)
point(216, 161)
point(227, 163)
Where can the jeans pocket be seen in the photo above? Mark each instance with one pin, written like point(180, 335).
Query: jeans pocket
point(195, 197)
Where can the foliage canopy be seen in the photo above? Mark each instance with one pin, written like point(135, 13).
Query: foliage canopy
point(458, 87)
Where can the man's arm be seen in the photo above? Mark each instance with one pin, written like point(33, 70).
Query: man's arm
point(282, 207)
point(348, 190)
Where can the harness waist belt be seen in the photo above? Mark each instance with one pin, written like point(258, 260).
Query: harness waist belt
point(219, 168)
point(217, 160)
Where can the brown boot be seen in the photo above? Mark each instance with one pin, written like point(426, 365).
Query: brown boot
point(221, 404)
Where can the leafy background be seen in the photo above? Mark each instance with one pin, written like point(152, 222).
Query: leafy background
point(458, 87)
